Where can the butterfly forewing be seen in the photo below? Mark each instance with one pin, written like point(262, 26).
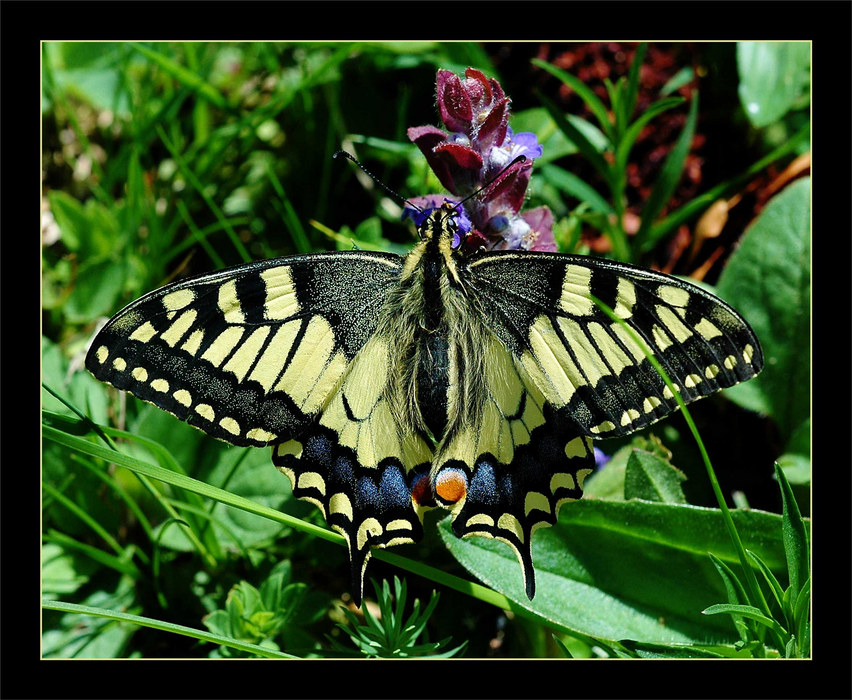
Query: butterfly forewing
point(589, 366)
point(249, 354)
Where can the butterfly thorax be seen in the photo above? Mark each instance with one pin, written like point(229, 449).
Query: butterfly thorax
point(433, 334)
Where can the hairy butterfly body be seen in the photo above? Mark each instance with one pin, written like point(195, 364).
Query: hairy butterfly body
point(389, 385)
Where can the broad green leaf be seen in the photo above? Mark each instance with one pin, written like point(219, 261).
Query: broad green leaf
point(168, 476)
point(675, 651)
point(774, 78)
point(242, 471)
point(768, 281)
point(62, 572)
point(81, 389)
point(74, 636)
point(93, 71)
point(626, 570)
point(652, 479)
point(96, 292)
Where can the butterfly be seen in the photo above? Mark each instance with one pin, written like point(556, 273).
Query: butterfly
point(389, 385)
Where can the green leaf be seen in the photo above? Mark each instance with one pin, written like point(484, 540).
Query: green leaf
point(96, 292)
point(768, 280)
point(62, 572)
point(625, 570)
point(771, 580)
point(774, 78)
point(93, 71)
point(683, 77)
point(89, 229)
point(672, 651)
point(100, 637)
point(653, 479)
point(801, 618)
point(79, 388)
point(182, 481)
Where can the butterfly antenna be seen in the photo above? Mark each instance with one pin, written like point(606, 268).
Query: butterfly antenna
point(518, 159)
point(381, 184)
point(345, 154)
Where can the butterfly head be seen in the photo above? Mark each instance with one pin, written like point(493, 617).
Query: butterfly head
point(446, 226)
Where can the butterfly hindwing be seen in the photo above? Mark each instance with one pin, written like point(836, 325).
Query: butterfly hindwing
point(358, 465)
point(249, 354)
point(508, 471)
point(542, 306)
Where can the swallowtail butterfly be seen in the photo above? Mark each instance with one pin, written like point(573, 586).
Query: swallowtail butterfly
point(388, 385)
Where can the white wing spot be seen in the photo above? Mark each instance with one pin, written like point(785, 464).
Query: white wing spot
point(230, 425)
point(182, 396)
point(205, 411)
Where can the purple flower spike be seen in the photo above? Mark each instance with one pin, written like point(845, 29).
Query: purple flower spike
point(475, 155)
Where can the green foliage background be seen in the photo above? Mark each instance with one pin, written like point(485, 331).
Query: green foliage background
point(165, 159)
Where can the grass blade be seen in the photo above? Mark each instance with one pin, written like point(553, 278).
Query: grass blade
point(184, 76)
point(593, 102)
point(579, 139)
point(200, 635)
point(670, 175)
point(794, 534)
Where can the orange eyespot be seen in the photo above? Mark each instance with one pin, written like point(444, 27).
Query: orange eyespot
point(451, 485)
